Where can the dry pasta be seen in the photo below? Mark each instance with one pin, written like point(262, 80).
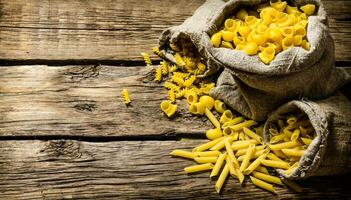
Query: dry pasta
point(126, 96)
point(218, 165)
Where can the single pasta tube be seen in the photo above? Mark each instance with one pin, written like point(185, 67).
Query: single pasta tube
point(242, 144)
point(211, 159)
point(220, 106)
point(231, 155)
point(246, 124)
point(293, 152)
point(212, 118)
point(207, 153)
point(181, 153)
point(262, 184)
point(208, 145)
point(283, 145)
point(213, 134)
point(226, 116)
point(272, 156)
point(234, 121)
point(252, 135)
point(198, 168)
point(231, 167)
point(254, 164)
point(241, 152)
point(262, 169)
point(275, 164)
point(221, 178)
point(247, 157)
point(220, 145)
point(267, 178)
point(218, 164)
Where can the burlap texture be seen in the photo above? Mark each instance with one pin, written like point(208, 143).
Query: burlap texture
point(251, 87)
point(330, 152)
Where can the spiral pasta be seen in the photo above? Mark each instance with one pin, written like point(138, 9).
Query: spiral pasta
point(126, 96)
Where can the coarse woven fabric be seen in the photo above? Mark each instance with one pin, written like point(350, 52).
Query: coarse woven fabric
point(248, 85)
point(330, 151)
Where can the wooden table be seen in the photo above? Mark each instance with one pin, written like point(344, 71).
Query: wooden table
point(64, 130)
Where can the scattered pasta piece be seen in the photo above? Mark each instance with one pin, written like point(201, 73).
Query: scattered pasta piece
point(126, 97)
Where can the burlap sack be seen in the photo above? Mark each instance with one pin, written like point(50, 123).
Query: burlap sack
point(248, 85)
point(330, 152)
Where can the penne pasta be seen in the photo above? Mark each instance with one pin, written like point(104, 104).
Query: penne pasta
point(272, 156)
point(234, 121)
point(255, 155)
point(232, 169)
point(221, 178)
point(220, 145)
point(231, 154)
point(198, 168)
point(293, 152)
point(201, 160)
point(212, 118)
point(218, 165)
point(275, 164)
point(262, 169)
point(208, 145)
point(181, 153)
point(262, 184)
point(241, 152)
point(246, 124)
point(207, 153)
point(253, 166)
point(267, 178)
point(283, 145)
point(253, 135)
point(242, 144)
point(226, 116)
point(247, 157)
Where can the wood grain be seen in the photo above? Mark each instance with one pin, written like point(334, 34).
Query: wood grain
point(71, 30)
point(66, 169)
point(87, 101)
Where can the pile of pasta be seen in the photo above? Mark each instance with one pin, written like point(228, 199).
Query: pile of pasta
point(236, 145)
point(265, 30)
point(237, 149)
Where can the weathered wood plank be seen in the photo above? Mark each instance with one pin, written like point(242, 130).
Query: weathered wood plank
point(126, 170)
point(87, 101)
point(64, 30)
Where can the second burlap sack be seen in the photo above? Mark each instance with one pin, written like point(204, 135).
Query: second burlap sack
point(330, 151)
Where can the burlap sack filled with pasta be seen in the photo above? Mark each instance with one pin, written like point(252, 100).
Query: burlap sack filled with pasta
point(248, 85)
point(330, 151)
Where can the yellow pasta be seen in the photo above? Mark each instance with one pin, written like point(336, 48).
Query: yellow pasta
point(221, 178)
point(234, 121)
point(218, 165)
point(198, 168)
point(307, 141)
point(212, 118)
point(275, 164)
point(220, 106)
point(278, 138)
point(191, 97)
point(179, 60)
point(232, 169)
point(231, 155)
point(211, 159)
point(262, 169)
point(241, 152)
point(168, 108)
point(267, 178)
point(251, 48)
point(213, 134)
point(305, 45)
point(253, 166)
point(283, 145)
point(255, 155)
point(147, 59)
point(172, 96)
point(287, 42)
point(208, 145)
point(181, 153)
point(252, 135)
point(241, 14)
point(126, 96)
point(272, 156)
point(216, 39)
point(246, 124)
point(247, 157)
point(242, 144)
point(207, 153)
point(227, 131)
point(171, 86)
point(267, 55)
point(308, 9)
point(262, 184)
point(226, 116)
point(157, 51)
point(220, 145)
point(158, 74)
point(197, 108)
point(207, 101)
point(293, 152)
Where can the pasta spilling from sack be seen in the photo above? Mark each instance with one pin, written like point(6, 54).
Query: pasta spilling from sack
point(237, 148)
point(266, 29)
point(290, 138)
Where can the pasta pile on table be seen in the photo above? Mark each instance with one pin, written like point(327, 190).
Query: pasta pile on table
point(266, 29)
point(236, 145)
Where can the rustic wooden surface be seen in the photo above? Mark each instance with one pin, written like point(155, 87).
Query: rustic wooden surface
point(64, 31)
point(64, 130)
point(65, 169)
